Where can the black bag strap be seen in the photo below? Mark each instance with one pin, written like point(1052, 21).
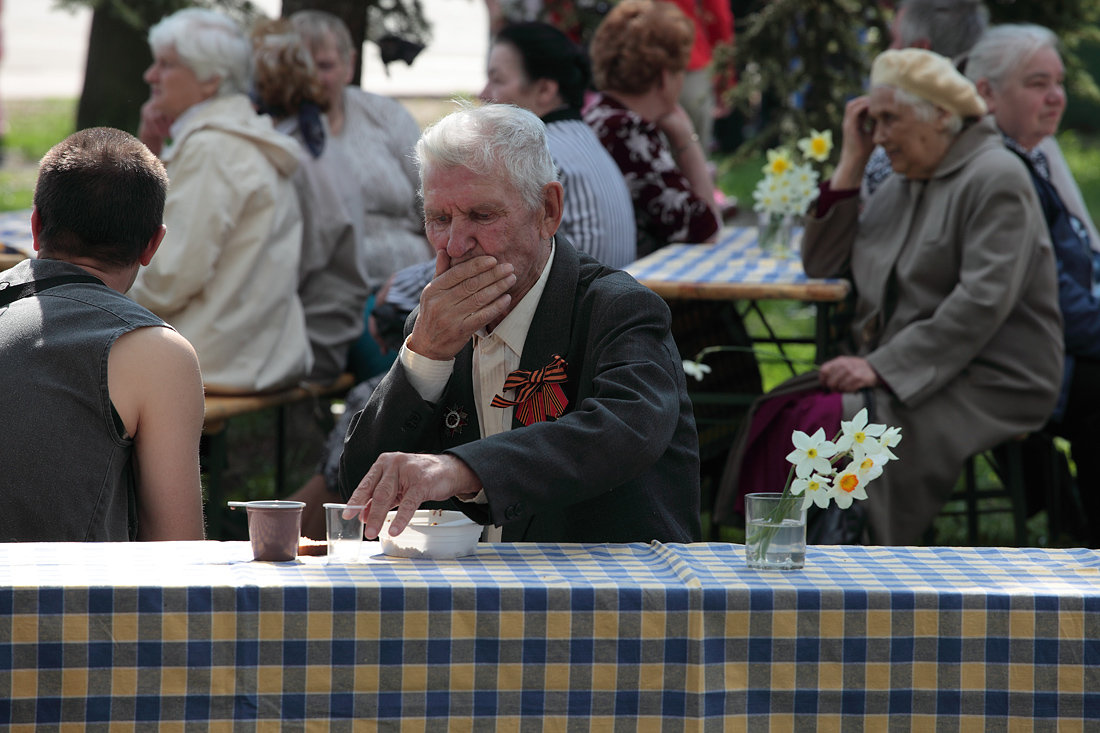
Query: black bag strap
point(9, 295)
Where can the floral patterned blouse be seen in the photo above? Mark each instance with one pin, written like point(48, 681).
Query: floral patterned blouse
point(665, 208)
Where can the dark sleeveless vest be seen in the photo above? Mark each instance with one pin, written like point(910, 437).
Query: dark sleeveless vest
point(65, 455)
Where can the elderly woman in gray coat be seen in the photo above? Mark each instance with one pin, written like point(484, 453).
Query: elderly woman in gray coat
point(956, 334)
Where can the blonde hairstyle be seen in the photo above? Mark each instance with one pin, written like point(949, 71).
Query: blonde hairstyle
point(285, 75)
point(636, 42)
point(210, 44)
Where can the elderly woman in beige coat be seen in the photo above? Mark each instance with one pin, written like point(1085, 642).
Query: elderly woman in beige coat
point(956, 333)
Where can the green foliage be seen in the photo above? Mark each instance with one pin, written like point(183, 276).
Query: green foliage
point(34, 126)
point(802, 62)
point(1083, 158)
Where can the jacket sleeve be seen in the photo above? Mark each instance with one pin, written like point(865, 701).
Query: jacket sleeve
point(827, 240)
point(1002, 234)
point(630, 400)
point(395, 418)
point(1080, 308)
point(207, 195)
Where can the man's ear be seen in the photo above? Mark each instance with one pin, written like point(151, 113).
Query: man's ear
point(152, 246)
point(209, 88)
point(547, 94)
point(553, 196)
point(36, 227)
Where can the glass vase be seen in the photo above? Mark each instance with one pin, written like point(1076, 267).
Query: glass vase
point(775, 532)
point(774, 234)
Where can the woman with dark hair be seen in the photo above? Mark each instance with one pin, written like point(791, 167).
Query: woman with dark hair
point(535, 66)
point(639, 55)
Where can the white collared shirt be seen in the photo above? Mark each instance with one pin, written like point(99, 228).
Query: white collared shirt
point(496, 355)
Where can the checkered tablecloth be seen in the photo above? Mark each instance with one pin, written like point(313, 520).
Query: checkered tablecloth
point(669, 637)
point(15, 232)
point(735, 258)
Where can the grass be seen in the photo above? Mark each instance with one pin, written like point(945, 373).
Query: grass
point(34, 126)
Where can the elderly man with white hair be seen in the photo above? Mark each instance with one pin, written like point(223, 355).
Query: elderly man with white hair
point(227, 274)
point(537, 390)
point(956, 335)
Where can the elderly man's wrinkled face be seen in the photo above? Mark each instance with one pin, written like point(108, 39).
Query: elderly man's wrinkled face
point(915, 146)
point(467, 215)
point(173, 86)
point(1028, 105)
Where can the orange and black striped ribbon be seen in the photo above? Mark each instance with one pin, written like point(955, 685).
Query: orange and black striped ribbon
point(538, 393)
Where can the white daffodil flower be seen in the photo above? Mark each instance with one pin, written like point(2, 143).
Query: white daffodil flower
point(814, 490)
point(696, 369)
point(848, 486)
point(890, 438)
point(817, 146)
point(811, 453)
point(859, 437)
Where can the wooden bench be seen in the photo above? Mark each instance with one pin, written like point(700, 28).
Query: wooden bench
point(221, 408)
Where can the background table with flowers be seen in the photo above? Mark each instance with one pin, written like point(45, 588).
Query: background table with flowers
point(735, 268)
point(670, 637)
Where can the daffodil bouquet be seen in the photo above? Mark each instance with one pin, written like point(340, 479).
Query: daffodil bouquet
point(824, 471)
point(789, 184)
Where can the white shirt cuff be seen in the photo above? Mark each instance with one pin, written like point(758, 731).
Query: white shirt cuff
point(427, 376)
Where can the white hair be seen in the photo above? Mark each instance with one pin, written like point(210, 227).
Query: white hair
point(210, 44)
point(926, 111)
point(498, 140)
point(1004, 48)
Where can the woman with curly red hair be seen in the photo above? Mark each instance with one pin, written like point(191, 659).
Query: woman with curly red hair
point(639, 55)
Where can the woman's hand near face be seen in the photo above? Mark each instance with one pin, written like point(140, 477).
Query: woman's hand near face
point(858, 132)
point(688, 153)
point(154, 127)
point(677, 127)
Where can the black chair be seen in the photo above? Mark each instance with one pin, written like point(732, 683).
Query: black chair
point(1007, 464)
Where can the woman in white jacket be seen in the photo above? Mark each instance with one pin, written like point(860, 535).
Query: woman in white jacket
point(227, 274)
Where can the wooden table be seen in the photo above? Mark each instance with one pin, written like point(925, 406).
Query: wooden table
point(735, 268)
point(194, 636)
point(220, 409)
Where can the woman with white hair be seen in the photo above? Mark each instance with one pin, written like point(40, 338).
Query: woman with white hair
point(374, 136)
point(956, 336)
point(227, 273)
point(1018, 71)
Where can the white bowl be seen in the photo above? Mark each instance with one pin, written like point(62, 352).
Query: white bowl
point(432, 533)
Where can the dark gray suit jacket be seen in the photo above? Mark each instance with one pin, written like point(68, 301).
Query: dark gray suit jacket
point(620, 465)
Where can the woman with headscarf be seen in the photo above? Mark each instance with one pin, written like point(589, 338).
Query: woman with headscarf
point(956, 336)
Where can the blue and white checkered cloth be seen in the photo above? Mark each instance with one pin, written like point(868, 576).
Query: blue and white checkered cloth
point(600, 637)
point(735, 258)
